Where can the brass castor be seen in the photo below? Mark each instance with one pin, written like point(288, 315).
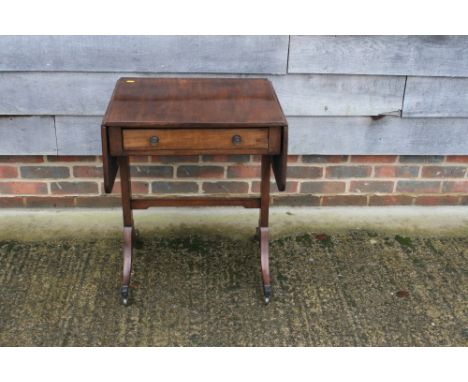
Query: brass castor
point(266, 293)
point(124, 295)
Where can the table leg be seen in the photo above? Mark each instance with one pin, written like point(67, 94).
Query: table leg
point(263, 225)
point(128, 229)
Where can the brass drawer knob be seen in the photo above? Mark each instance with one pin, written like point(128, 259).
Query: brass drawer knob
point(154, 140)
point(236, 139)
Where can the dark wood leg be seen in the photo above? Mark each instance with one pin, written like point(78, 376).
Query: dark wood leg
point(128, 230)
point(263, 226)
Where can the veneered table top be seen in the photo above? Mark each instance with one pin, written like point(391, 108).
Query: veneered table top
point(194, 102)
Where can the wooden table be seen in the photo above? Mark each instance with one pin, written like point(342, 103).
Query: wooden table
point(193, 116)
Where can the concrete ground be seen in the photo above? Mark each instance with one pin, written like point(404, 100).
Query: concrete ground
point(341, 277)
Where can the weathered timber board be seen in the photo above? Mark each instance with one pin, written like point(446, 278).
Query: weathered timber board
point(436, 97)
point(27, 136)
point(159, 54)
point(311, 135)
point(78, 135)
point(88, 93)
point(387, 55)
point(389, 135)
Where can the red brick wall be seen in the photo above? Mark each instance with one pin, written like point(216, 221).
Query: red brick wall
point(49, 181)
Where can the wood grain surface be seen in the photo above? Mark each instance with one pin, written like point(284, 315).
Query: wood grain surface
point(387, 55)
point(194, 102)
point(191, 139)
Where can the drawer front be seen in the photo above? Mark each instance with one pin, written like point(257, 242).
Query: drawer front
point(195, 139)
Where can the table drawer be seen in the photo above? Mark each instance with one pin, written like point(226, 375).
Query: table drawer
point(195, 139)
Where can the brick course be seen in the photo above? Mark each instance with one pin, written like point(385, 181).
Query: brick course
point(87, 171)
point(303, 172)
point(291, 187)
point(40, 172)
point(23, 188)
point(457, 186)
point(240, 171)
point(152, 171)
point(224, 187)
point(202, 171)
point(443, 172)
point(396, 171)
point(391, 200)
point(313, 180)
point(419, 187)
point(174, 187)
point(373, 158)
point(21, 159)
point(72, 188)
point(457, 158)
point(348, 171)
point(327, 187)
point(371, 186)
point(8, 172)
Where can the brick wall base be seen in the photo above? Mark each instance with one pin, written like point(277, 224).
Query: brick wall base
point(313, 180)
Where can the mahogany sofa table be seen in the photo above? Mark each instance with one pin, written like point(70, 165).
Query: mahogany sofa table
point(194, 116)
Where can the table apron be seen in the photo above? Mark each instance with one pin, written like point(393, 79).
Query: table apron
point(272, 145)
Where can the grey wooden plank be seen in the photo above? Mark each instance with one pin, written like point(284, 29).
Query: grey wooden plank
point(27, 136)
point(389, 135)
point(336, 95)
point(63, 93)
point(158, 54)
point(78, 135)
point(318, 135)
point(88, 93)
point(436, 97)
point(55, 93)
point(387, 55)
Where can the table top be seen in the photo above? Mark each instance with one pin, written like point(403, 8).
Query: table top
point(194, 102)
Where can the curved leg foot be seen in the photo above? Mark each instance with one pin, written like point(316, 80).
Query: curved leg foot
point(128, 238)
point(264, 260)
